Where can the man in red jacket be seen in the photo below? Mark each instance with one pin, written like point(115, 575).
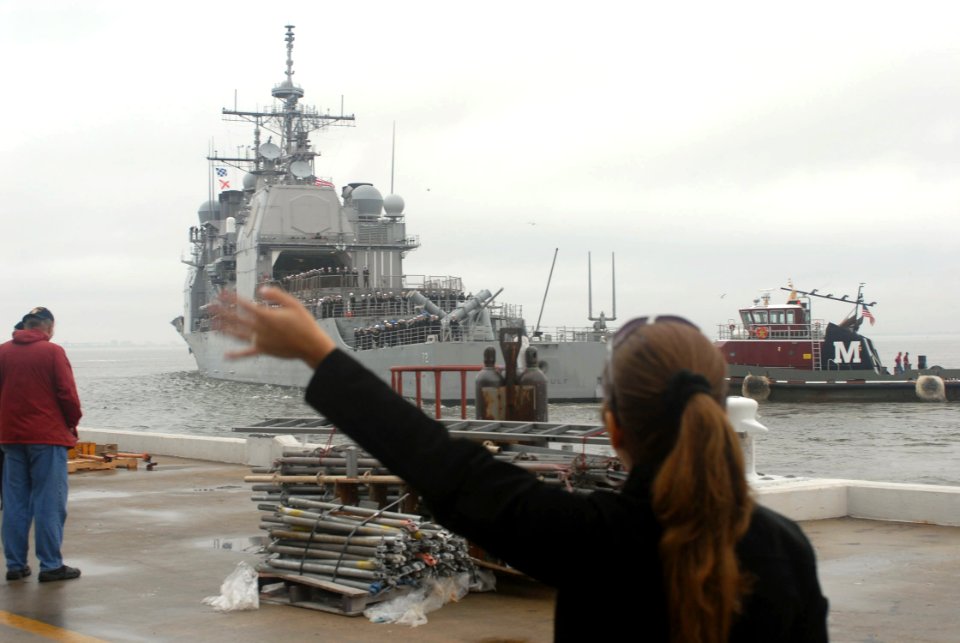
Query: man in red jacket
point(39, 413)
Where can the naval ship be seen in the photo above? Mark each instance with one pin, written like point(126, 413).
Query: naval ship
point(342, 256)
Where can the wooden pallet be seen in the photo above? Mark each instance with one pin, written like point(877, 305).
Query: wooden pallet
point(74, 466)
point(313, 593)
point(131, 464)
point(83, 458)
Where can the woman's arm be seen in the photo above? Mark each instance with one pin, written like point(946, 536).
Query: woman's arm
point(499, 506)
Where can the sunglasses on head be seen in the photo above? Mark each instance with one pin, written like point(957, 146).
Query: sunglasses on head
point(626, 331)
point(647, 320)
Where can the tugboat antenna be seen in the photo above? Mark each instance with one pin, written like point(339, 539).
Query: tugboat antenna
point(843, 299)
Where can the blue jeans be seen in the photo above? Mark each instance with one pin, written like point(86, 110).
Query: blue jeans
point(34, 490)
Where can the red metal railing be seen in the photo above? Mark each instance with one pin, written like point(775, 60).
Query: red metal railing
point(396, 381)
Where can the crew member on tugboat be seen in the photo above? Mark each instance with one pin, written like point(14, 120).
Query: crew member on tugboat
point(699, 560)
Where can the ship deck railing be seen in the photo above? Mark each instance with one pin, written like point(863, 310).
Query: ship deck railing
point(563, 334)
point(759, 331)
point(351, 279)
point(429, 333)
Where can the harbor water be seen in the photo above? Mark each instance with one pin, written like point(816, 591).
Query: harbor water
point(159, 389)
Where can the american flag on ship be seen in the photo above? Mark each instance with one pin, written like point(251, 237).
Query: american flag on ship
point(323, 183)
point(868, 315)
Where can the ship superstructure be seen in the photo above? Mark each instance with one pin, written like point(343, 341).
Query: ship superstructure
point(342, 256)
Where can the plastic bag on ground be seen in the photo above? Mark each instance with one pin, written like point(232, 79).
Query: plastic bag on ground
point(239, 591)
point(412, 609)
point(483, 580)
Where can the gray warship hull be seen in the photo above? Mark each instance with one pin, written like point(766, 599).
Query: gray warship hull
point(573, 368)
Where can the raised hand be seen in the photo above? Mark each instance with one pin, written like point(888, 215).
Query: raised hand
point(281, 327)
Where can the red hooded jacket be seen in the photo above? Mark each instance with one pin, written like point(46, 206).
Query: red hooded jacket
point(38, 397)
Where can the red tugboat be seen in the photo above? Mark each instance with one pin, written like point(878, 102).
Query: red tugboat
point(781, 352)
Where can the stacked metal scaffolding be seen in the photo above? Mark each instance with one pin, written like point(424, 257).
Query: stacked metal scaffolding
point(315, 535)
point(330, 514)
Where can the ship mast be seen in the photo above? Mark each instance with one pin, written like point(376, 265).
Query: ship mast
point(292, 123)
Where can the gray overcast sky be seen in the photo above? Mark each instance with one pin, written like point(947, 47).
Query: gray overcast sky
point(717, 150)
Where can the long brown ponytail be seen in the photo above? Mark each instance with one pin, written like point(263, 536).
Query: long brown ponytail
point(700, 494)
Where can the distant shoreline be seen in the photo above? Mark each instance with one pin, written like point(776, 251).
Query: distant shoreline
point(119, 344)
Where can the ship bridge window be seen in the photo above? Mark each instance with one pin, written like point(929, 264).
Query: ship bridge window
point(791, 317)
point(759, 317)
point(776, 316)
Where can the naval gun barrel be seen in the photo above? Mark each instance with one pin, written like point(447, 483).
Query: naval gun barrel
point(468, 307)
point(419, 299)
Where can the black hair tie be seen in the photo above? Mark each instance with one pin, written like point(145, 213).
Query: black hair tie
point(683, 385)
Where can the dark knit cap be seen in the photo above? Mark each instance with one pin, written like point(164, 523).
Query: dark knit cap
point(39, 313)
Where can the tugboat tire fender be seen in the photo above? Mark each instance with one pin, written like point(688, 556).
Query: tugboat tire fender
point(930, 388)
point(755, 387)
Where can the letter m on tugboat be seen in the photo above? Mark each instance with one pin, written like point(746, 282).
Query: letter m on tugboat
point(847, 353)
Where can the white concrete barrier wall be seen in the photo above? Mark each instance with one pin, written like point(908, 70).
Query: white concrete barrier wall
point(805, 499)
point(937, 505)
point(800, 499)
point(214, 449)
point(821, 499)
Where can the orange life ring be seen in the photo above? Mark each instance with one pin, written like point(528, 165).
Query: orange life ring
point(762, 332)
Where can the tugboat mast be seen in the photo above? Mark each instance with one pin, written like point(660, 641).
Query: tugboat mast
point(859, 302)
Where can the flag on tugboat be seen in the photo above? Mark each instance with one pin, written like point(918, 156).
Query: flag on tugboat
point(323, 183)
point(868, 315)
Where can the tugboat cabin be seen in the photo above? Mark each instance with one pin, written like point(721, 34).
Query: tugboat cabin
point(773, 335)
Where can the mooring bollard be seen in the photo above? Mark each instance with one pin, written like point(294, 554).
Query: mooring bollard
point(742, 412)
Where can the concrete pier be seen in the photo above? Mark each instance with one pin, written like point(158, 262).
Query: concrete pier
point(153, 544)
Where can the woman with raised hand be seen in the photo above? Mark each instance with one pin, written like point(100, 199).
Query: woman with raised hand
point(680, 554)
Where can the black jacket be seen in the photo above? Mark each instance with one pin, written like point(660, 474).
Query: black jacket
point(599, 550)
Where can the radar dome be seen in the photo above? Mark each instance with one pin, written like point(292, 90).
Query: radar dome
point(209, 211)
point(393, 205)
point(368, 200)
point(287, 89)
point(249, 181)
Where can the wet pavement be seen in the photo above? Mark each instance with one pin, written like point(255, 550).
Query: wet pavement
point(153, 544)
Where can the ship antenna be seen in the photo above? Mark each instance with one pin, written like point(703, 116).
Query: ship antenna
point(613, 282)
point(536, 331)
point(289, 93)
point(289, 39)
point(589, 287)
point(393, 151)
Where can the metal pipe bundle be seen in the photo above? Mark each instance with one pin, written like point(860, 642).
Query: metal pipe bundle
point(316, 536)
point(353, 543)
